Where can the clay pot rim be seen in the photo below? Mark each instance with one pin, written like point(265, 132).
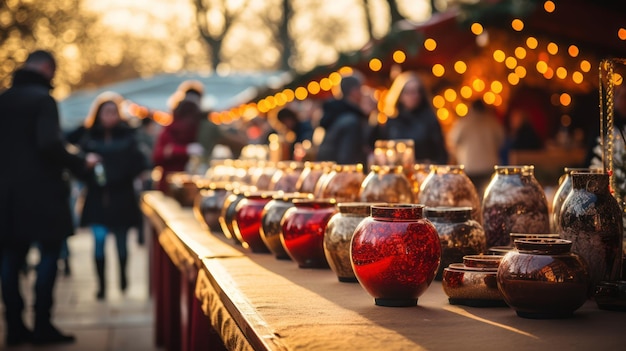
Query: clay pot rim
point(460, 267)
point(482, 261)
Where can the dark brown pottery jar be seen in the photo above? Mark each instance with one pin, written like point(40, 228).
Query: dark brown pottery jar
point(342, 184)
point(473, 282)
point(338, 236)
point(514, 202)
point(271, 218)
point(395, 253)
point(209, 203)
point(592, 220)
point(386, 184)
point(459, 234)
point(303, 231)
point(448, 185)
point(227, 215)
point(543, 278)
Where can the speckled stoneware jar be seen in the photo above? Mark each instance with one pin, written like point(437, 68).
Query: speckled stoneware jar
point(311, 173)
point(592, 220)
point(448, 185)
point(342, 184)
point(542, 278)
point(514, 202)
point(395, 253)
point(459, 234)
point(565, 185)
point(386, 184)
point(338, 236)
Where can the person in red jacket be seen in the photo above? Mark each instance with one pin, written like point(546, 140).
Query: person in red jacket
point(177, 142)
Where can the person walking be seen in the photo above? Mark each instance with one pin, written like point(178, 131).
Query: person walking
point(111, 204)
point(346, 126)
point(34, 196)
point(411, 116)
point(476, 141)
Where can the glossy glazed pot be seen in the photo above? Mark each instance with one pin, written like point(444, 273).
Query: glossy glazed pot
point(303, 228)
point(543, 278)
point(311, 174)
point(565, 186)
point(592, 219)
point(459, 234)
point(227, 215)
point(271, 218)
point(473, 282)
point(247, 222)
point(448, 185)
point(386, 184)
point(209, 203)
point(338, 236)
point(286, 176)
point(183, 187)
point(395, 254)
point(514, 202)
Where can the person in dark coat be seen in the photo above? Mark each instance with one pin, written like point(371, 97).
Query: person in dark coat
point(34, 196)
point(346, 126)
point(111, 204)
point(412, 117)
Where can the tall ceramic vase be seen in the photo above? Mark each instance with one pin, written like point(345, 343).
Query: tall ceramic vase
point(514, 202)
point(591, 218)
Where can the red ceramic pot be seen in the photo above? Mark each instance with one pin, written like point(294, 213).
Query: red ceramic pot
point(247, 223)
point(304, 226)
point(395, 254)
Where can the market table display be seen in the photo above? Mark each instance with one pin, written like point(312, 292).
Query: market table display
point(255, 302)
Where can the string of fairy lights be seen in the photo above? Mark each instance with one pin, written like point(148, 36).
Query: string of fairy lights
point(509, 65)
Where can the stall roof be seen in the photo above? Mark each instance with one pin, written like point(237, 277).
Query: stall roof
point(221, 92)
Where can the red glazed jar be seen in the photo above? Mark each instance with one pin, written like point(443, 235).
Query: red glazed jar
point(395, 254)
point(247, 223)
point(271, 218)
point(303, 231)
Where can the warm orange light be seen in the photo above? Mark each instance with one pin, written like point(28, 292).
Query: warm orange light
point(438, 70)
point(549, 6)
point(281, 99)
point(513, 78)
point(271, 101)
point(345, 71)
point(542, 67)
point(375, 64)
point(498, 101)
point(399, 56)
point(430, 44)
point(517, 25)
point(461, 109)
point(382, 118)
point(585, 66)
point(301, 93)
point(443, 114)
point(549, 73)
point(561, 72)
point(450, 94)
point(438, 101)
point(510, 62)
point(520, 71)
point(477, 28)
point(263, 106)
point(577, 77)
point(553, 49)
point(532, 43)
point(496, 86)
point(289, 94)
point(162, 118)
point(499, 55)
point(214, 117)
point(466, 92)
point(313, 87)
point(478, 85)
point(520, 52)
point(617, 79)
point(325, 84)
point(565, 99)
point(335, 78)
point(489, 98)
point(460, 67)
point(621, 33)
point(573, 50)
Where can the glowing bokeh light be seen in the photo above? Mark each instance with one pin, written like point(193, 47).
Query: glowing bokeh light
point(430, 44)
point(460, 67)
